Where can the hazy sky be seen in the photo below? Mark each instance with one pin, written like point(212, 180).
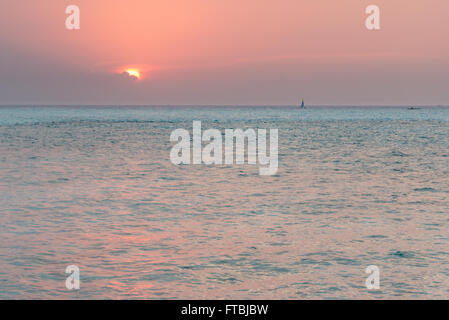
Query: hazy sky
point(225, 52)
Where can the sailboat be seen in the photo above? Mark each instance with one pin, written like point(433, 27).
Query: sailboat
point(302, 104)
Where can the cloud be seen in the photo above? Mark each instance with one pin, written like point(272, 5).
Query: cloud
point(125, 75)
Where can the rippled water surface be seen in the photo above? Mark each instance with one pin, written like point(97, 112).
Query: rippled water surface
point(95, 187)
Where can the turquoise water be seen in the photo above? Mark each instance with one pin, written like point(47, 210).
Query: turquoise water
point(94, 187)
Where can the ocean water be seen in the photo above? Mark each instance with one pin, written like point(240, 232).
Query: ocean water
point(94, 187)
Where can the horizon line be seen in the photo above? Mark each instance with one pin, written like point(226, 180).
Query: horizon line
point(232, 105)
point(223, 106)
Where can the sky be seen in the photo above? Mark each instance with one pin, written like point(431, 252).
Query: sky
point(233, 52)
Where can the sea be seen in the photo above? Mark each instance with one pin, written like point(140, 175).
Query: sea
point(94, 187)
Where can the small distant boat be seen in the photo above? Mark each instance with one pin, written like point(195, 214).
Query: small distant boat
point(413, 108)
point(302, 104)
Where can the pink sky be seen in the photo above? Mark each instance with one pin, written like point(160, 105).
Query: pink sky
point(225, 52)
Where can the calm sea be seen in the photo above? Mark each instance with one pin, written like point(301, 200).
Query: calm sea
point(94, 187)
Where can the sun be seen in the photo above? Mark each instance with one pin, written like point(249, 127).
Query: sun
point(133, 73)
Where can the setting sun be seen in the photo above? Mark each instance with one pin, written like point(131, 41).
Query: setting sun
point(133, 73)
